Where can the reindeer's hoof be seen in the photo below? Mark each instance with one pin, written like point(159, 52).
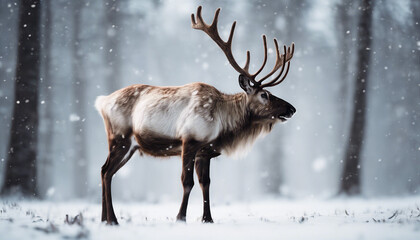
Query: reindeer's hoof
point(111, 223)
point(180, 218)
point(207, 220)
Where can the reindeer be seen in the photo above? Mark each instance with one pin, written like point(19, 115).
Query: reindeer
point(195, 121)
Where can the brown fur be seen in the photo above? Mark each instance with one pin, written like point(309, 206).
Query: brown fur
point(158, 146)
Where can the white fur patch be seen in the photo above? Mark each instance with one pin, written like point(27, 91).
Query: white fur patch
point(99, 103)
point(158, 115)
point(174, 116)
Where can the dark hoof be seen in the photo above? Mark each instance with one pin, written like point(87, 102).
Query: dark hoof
point(181, 218)
point(111, 223)
point(207, 220)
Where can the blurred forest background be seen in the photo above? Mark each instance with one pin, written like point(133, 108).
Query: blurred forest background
point(354, 80)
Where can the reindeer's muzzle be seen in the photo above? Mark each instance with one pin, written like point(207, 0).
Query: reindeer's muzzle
point(288, 113)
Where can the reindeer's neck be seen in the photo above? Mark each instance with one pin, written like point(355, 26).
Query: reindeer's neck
point(234, 109)
point(239, 130)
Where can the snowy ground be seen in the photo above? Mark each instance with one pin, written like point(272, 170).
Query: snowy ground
point(274, 219)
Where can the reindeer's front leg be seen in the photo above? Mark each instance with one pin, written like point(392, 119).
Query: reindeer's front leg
point(189, 149)
point(202, 168)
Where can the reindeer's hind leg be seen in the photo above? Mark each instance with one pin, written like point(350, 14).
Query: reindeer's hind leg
point(119, 145)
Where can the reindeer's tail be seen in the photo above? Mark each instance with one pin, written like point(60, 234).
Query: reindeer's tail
point(99, 103)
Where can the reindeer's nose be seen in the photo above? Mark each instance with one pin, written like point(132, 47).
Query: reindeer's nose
point(289, 113)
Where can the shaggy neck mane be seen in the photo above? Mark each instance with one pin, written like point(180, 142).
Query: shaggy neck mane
point(233, 111)
point(239, 130)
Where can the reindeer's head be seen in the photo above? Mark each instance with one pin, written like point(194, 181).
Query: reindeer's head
point(262, 104)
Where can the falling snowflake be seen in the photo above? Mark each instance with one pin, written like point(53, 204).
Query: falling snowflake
point(74, 117)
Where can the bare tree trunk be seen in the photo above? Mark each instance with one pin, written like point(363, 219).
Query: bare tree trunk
point(47, 121)
point(21, 165)
point(350, 183)
point(112, 45)
point(79, 107)
point(344, 24)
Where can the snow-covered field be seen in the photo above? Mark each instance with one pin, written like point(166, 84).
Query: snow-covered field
point(397, 218)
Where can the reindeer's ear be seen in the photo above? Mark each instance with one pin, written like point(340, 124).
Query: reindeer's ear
point(245, 84)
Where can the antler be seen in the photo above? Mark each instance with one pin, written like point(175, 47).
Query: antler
point(281, 60)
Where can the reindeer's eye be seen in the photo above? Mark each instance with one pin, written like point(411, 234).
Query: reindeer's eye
point(264, 95)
